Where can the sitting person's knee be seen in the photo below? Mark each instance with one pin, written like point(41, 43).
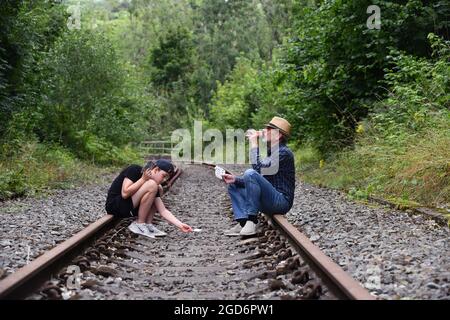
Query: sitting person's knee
point(151, 186)
point(250, 173)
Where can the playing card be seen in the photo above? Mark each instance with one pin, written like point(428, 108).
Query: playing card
point(219, 172)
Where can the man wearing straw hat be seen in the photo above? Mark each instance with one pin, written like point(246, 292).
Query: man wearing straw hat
point(269, 186)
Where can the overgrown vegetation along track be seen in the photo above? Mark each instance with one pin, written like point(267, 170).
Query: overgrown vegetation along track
point(200, 265)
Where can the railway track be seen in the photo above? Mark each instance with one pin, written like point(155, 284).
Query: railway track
point(106, 261)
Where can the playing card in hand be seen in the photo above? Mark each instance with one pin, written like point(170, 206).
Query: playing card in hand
point(219, 172)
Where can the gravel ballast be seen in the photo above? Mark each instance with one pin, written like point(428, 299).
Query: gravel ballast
point(394, 255)
point(31, 226)
point(199, 265)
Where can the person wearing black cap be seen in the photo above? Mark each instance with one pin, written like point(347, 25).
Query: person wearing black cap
point(137, 191)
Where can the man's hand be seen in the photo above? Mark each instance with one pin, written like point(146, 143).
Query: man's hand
point(185, 228)
point(229, 178)
point(252, 136)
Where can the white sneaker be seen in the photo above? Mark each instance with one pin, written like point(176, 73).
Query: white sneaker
point(154, 230)
point(249, 229)
point(140, 228)
point(234, 231)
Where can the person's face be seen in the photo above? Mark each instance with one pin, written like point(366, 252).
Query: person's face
point(159, 176)
point(271, 135)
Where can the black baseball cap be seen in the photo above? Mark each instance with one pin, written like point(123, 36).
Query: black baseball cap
point(165, 165)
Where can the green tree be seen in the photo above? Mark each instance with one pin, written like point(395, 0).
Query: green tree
point(171, 60)
point(335, 63)
point(236, 99)
point(224, 31)
point(171, 65)
point(150, 21)
point(279, 17)
point(84, 95)
point(27, 30)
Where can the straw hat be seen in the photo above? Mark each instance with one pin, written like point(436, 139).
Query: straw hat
point(281, 124)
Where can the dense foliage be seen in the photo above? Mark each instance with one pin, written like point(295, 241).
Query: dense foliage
point(402, 148)
point(138, 69)
point(332, 68)
point(66, 87)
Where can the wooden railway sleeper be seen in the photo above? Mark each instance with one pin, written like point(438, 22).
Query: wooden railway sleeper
point(51, 291)
point(82, 262)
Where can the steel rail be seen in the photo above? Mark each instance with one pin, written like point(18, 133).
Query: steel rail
point(16, 284)
point(338, 281)
point(29, 277)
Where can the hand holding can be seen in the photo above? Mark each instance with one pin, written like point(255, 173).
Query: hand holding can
point(253, 134)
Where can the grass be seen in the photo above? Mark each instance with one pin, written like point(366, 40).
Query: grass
point(37, 168)
point(410, 168)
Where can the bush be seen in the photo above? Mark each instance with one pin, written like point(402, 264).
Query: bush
point(335, 65)
point(402, 149)
point(418, 88)
point(35, 167)
point(84, 92)
point(101, 151)
point(234, 101)
point(28, 28)
point(250, 97)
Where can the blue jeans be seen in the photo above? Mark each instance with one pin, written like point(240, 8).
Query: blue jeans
point(258, 195)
